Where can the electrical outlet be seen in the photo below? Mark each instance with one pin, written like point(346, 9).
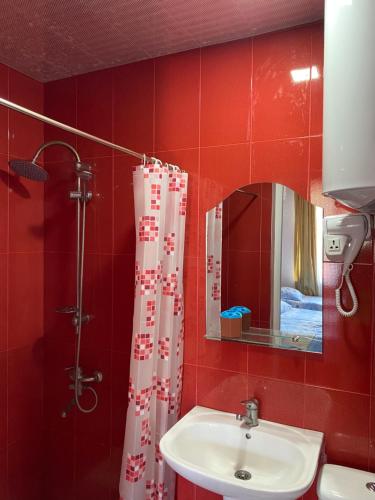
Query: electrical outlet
point(335, 244)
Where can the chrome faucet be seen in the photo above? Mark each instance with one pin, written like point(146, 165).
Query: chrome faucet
point(250, 419)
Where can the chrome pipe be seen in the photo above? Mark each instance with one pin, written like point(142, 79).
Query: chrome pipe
point(57, 143)
point(68, 128)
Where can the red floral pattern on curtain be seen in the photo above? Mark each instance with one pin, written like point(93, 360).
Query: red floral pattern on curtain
point(155, 384)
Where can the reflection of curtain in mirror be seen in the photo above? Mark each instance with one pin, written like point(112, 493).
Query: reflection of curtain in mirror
point(305, 265)
point(213, 270)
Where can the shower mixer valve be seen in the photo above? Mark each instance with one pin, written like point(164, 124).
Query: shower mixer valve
point(85, 318)
point(82, 384)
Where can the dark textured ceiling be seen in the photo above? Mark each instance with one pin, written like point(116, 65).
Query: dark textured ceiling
point(52, 39)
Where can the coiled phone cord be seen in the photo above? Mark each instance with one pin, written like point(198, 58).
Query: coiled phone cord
point(347, 314)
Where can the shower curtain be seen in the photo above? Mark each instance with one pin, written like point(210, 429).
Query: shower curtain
point(160, 198)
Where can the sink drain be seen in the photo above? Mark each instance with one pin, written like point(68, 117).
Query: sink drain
point(242, 474)
point(371, 487)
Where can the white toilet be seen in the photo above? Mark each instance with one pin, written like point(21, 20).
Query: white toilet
point(342, 483)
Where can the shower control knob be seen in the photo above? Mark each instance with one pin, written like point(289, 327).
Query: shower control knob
point(98, 376)
point(67, 310)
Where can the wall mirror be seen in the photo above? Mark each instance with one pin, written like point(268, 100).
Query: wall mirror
point(264, 261)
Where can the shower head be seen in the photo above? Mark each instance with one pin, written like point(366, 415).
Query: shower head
point(29, 169)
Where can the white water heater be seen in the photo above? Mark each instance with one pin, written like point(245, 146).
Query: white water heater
point(349, 103)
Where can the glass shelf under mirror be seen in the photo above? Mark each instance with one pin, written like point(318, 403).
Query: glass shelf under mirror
point(275, 339)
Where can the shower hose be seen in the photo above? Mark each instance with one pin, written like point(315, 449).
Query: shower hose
point(81, 255)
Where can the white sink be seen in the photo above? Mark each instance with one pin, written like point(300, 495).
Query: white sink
point(207, 447)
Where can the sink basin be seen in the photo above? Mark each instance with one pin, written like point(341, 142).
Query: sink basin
point(208, 447)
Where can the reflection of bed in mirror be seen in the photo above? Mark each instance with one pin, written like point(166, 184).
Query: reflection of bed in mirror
point(302, 315)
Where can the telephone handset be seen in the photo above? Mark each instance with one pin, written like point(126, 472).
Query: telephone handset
point(343, 238)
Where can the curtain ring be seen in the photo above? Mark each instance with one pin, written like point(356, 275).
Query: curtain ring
point(156, 161)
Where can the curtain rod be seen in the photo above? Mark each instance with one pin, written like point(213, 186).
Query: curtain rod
point(68, 128)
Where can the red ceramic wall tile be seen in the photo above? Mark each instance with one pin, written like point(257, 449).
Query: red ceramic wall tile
point(372, 410)
point(123, 200)
point(220, 389)
point(25, 307)
point(25, 469)
point(3, 302)
point(279, 401)
point(123, 290)
point(119, 395)
point(25, 134)
point(277, 364)
point(177, 80)
point(202, 494)
point(25, 371)
point(26, 216)
point(221, 355)
point(317, 55)
point(58, 480)
point(99, 216)
point(372, 430)
point(4, 92)
point(60, 103)
point(346, 360)
point(93, 470)
point(280, 105)
point(25, 91)
point(188, 160)
point(185, 490)
point(189, 389)
point(222, 170)
point(3, 473)
point(190, 309)
point(59, 268)
point(346, 432)
point(98, 301)
point(4, 203)
point(94, 111)
point(59, 210)
point(226, 88)
point(285, 162)
point(114, 474)
point(133, 105)
point(3, 399)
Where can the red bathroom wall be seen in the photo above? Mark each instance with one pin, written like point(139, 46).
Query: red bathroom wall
point(229, 115)
point(21, 297)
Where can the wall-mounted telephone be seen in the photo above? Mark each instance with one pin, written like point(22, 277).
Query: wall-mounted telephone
point(343, 238)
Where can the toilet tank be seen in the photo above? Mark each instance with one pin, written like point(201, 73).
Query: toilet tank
point(348, 110)
point(343, 483)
